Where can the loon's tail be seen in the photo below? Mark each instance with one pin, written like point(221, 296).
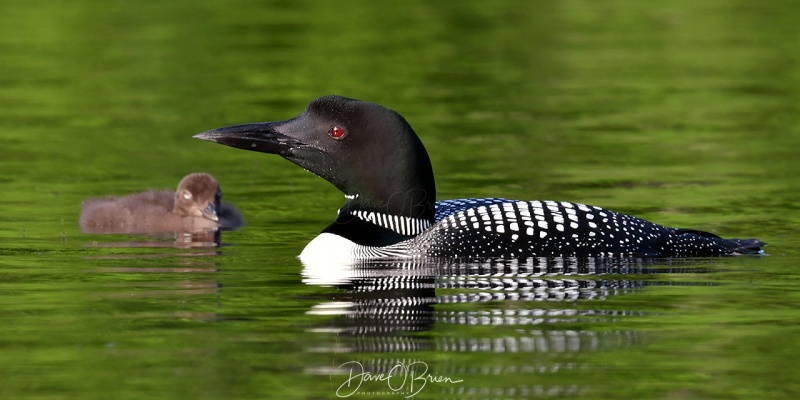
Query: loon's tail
point(735, 246)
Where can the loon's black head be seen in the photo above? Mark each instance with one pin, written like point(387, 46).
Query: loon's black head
point(367, 151)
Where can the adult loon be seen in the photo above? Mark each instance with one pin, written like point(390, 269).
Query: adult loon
point(373, 155)
point(194, 206)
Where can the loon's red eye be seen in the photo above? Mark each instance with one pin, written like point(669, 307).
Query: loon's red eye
point(336, 133)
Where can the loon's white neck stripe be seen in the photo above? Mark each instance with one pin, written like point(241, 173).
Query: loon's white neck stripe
point(403, 225)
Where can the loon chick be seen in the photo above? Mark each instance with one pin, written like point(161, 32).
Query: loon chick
point(373, 155)
point(195, 206)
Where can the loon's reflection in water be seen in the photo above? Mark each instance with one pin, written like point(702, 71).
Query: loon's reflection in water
point(525, 306)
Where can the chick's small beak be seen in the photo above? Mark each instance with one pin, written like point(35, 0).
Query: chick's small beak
point(210, 212)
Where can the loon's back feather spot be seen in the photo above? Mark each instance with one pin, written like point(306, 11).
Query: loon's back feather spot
point(378, 161)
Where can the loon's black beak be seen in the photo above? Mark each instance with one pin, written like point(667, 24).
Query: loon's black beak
point(262, 136)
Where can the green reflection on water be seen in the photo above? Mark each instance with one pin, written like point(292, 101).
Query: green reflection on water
point(685, 113)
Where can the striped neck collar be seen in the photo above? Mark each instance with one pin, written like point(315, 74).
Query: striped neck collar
point(406, 226)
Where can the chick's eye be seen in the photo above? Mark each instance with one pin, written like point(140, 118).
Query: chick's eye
point(336, 133)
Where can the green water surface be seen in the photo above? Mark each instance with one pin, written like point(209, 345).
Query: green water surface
point(686, 113)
